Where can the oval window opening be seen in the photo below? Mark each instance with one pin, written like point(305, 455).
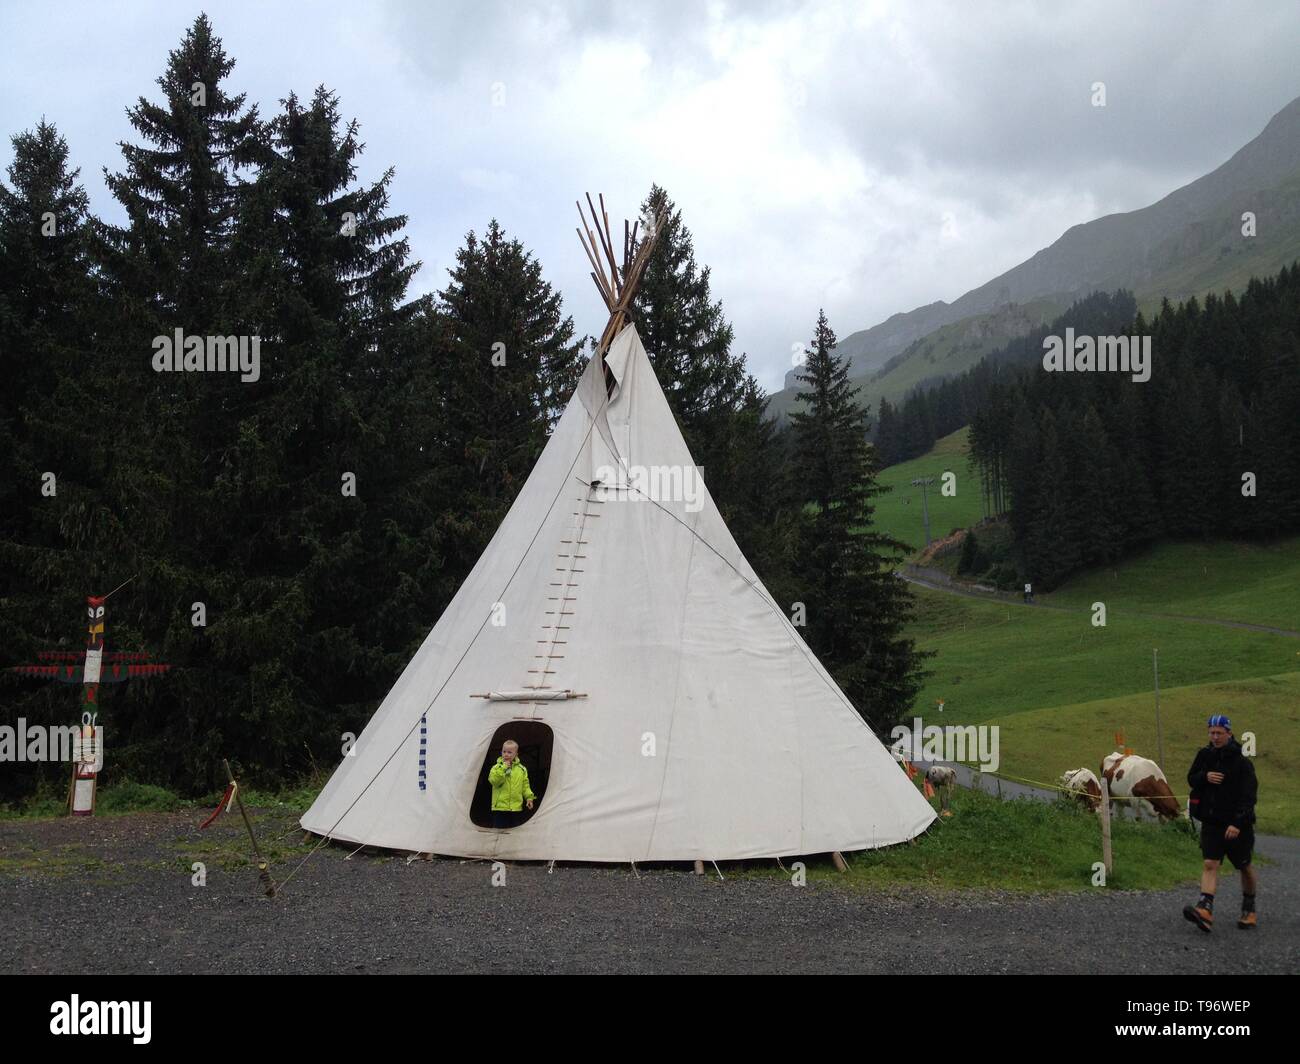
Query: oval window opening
point(535, 742)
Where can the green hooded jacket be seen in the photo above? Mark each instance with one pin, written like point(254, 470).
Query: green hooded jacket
point(509, 790)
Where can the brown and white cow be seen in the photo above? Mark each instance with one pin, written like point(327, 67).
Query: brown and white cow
point(1082, 784)
point(942, 778)
point(1130, 776)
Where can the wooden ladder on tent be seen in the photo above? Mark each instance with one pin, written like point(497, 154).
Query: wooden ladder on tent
point(570, 564)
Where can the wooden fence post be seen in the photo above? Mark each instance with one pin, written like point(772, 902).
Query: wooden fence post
point(1105, 825)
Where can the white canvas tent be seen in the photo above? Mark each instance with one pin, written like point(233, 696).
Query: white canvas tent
point(657, 690)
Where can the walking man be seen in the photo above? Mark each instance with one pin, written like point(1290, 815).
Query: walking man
point(1223, 786)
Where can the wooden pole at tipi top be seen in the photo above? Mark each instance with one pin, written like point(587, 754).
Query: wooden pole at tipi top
point(617, 284)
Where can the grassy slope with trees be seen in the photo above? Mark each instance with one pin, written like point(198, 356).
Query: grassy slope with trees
point(1060, 688)
point(899, 513)
point(1254, 583)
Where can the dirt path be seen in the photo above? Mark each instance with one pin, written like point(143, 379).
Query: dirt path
point(117, 897)
point(952, 588)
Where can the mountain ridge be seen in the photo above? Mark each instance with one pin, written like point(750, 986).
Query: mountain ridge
point(1112, 251)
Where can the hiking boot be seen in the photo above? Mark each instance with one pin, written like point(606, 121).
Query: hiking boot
point(1200, 916)
point(1248, 921)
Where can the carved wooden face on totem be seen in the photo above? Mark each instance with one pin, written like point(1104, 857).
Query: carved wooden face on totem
point(95, 622)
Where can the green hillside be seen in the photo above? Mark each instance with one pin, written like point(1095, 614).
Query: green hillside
point(945, 352)
point(898, 513)
point(1212, 255)
point(953, 348)
point(1043, 743)
point(997, 658)
point(1246, 582)
point(1059, 688)
point(1021, 846)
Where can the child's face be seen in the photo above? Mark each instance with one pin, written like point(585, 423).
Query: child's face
point(507, 753)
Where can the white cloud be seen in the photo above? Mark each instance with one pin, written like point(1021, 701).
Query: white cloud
point(864, 157)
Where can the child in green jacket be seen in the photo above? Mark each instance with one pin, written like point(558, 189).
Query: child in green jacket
point(510, 789)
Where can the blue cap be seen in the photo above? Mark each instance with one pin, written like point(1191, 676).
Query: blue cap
point(1220, 721)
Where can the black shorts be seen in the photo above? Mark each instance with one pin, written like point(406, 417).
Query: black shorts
point(1214, 847)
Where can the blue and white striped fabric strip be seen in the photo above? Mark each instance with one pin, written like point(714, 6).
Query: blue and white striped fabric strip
point(424, 745)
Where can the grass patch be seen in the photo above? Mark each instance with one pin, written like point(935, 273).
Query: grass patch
point(66, 860)
point(1024, 846)
point(124, 796)
point(1029, 846)
point(293, 799)
point(1043, 743)
point(1247, 582)
point(996, 659)
point(225, 845)
point(899, 513)
point(128, 796)
point(41, 804)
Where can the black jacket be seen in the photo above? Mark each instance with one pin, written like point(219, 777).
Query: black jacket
point(1229, 802)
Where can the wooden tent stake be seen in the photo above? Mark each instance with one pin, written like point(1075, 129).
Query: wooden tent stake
point(263, 868)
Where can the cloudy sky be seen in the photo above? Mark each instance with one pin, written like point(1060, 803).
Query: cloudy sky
point(865, 157)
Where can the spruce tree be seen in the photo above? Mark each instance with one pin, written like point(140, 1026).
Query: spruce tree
point(173, 265)
point(46, 314)
point(509, 364)
point(182, 188)
point(750, 488)
point(888, 430)
point(341, 254)
point(1052, 547)
point(47, 317)
point(1020, 459)
point(969, 559)
point(856, 608)
point(689, 340)
point(717, 403)
point(330, 269)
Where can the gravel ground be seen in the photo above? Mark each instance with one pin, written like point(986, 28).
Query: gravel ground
point(115, 895)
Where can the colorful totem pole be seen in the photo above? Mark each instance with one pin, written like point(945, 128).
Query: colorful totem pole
point(89, 753)
point(89, 668)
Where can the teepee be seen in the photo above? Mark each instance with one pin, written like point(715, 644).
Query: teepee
point(664, 706)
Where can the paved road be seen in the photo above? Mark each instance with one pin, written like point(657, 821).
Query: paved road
point(138, 911)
